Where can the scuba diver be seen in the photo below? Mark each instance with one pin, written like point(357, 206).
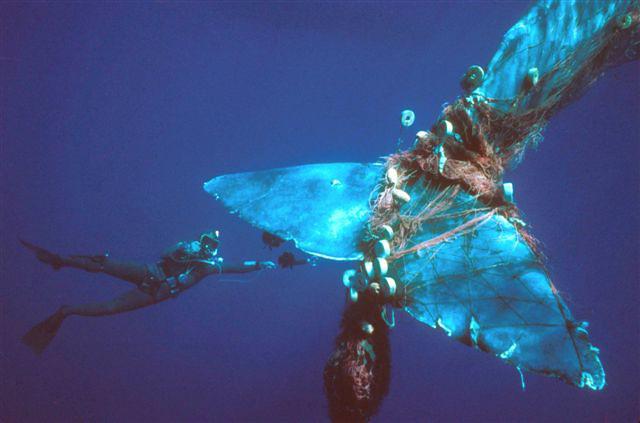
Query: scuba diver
point(182, 267)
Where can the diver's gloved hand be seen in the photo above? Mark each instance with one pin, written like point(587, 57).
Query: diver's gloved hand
point(288, 260)
point(47, 257)
point(271, 240)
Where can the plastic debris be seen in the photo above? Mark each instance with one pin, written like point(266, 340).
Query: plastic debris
point(400, 196)
point(353, 295)
point(445, 128)
point(382, 248)
point(625, 21)
point(380, 267)
point(389, 286)
point(473, 78)
point(392, 176)
point(408, 117)
point(533, 76)
point(421, 136)
point(386, 232)
point(367, 269)
point(367, 328)
point(507, 188)
point(347, 277)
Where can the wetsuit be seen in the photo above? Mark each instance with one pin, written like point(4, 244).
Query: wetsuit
point(181, 268)
point(175, 268)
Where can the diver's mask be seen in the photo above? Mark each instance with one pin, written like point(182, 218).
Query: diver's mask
point(209, 242)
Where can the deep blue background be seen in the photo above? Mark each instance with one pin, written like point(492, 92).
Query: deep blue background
point(112, 117)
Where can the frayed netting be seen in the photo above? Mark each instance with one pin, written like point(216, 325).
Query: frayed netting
point(490, 135)
point(446, 242)
point(474, 170)
point(515, 124)
point(357, 375)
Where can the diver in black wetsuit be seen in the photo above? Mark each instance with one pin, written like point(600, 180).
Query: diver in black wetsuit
point(181, 268)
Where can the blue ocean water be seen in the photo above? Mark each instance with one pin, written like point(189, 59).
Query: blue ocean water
point(111, 118)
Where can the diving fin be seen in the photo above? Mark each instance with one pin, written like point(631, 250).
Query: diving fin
point(43, 255)
point(39, 336)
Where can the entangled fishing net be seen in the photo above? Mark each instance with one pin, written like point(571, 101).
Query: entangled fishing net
point(434, 229)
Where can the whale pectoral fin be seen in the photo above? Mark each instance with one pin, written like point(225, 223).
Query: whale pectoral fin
point(323, 208)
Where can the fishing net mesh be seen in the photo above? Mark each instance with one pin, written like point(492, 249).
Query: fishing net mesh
point(493, 134)
point(463, 258)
